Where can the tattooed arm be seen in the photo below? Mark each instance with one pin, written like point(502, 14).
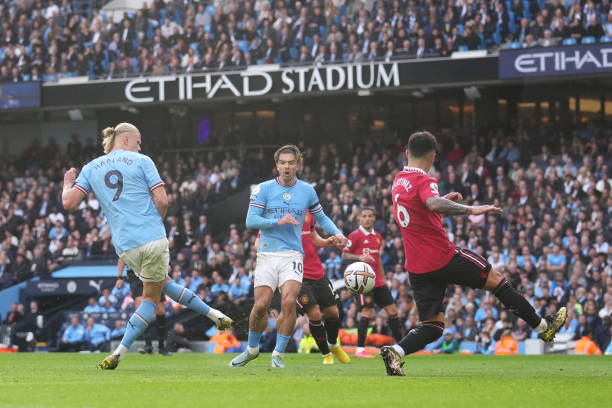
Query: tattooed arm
point(444, 206)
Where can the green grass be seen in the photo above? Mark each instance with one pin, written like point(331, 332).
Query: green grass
point(203, 380)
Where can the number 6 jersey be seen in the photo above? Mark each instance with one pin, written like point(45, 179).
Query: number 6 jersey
point(426, 244)
point(122, 182)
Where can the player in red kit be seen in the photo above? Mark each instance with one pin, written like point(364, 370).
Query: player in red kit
point(317, 295)
point(364, 245)
point(433, 262)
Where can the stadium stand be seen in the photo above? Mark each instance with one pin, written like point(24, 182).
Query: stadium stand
point(47, 40)
point(553, 241)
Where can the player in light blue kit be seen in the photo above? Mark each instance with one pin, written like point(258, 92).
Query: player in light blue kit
point(278, 208)
point(127, 186)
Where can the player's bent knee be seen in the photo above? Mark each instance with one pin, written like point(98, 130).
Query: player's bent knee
point(391, 309)
point(331, 312)
point(314, 313)
point(287, 304)
point(493, 280)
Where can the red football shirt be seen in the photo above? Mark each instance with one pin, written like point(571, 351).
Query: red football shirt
point(363, 242)
point(426, 244)
point(313, 269)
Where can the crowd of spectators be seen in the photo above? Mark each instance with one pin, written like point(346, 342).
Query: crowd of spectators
point(52, 39)
point(553, 241)
point(37, 236)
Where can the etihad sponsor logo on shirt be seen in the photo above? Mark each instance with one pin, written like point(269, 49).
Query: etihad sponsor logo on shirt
point(284, 210)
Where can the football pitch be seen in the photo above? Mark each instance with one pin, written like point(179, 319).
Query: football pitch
point(205, 380)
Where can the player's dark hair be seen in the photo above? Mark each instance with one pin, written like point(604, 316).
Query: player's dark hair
point(289, 148)
point(368, 208)
point(421, 144)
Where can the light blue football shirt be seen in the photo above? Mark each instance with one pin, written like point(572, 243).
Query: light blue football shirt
point(271, 201)
point(122, 182)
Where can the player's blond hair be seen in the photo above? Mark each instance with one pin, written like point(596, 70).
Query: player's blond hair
point(289, 148)
point(109, 134)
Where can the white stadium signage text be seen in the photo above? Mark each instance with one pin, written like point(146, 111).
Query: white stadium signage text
point(258, 83)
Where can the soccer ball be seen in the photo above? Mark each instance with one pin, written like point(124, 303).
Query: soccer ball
point(359, 278)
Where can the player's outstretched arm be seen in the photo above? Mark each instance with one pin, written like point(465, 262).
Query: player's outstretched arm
point(321, 242)
point(71, 196)
point(349, 257)
point(447, 207)
point(329, 227)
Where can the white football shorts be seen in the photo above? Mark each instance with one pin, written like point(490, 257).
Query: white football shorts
point(149, 261)
point(273, 269)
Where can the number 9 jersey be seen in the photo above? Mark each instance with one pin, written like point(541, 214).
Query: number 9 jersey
point(122, 182)
point(426, 244)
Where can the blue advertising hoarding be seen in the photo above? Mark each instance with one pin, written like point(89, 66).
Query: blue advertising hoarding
point(20, 95)
point(555, 61)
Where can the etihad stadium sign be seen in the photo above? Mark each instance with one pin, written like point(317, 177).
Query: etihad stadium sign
point(258, 82)
point(273, 81)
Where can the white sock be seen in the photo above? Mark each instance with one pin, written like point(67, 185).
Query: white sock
point(360, 349)
point(399, 350)
point(252, 350)
point(214, 315)
point(120, 351)
point(541, 328)
point(276, 353)
point(331, 345)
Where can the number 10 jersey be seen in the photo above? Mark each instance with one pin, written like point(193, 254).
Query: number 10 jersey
point(122, 182)
point(426, 244)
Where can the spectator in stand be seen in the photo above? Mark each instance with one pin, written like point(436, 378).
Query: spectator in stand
point(107, 298)
point(97, 336)
point(333, 266)
point(119, 330)
point(74, 337)
point(177, 339)
point(92, 306)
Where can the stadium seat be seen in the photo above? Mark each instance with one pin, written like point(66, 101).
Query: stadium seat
point(605, 39)
point(308, 41)
point(211, 9)
point(207, 28)
point(514, 45)
point(463, 48)
point(294, 53)
point(323, 31)
point(569, 41)
point(588, 40)
point(460, 27)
